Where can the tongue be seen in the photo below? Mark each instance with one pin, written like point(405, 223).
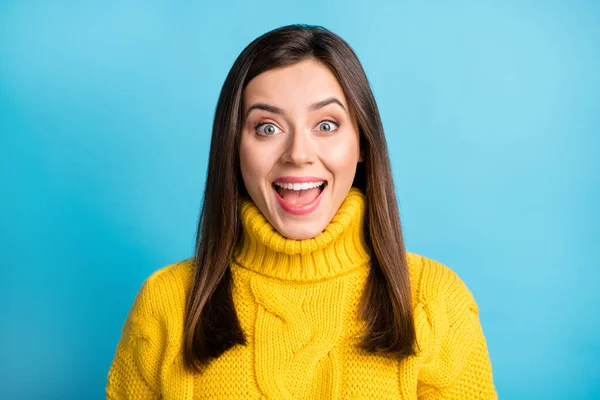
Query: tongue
point(299, 197)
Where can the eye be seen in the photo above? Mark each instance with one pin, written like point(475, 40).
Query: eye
point(327, 126)
point(267, 129)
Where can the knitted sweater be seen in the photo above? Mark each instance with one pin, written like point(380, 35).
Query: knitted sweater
point(297, 302)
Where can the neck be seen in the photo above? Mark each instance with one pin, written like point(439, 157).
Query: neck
point(340, 248)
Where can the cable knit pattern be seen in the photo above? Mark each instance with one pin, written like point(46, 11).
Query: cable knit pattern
point(297, 302)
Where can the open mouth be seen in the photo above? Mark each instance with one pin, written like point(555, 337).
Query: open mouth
point(299, 198)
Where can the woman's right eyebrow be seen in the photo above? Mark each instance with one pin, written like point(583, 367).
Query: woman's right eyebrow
point(263, 106)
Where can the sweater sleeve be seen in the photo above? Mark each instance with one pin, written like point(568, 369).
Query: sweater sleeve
point(457, 364)
point(135, 369)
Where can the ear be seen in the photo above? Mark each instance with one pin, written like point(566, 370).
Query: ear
point(361, 156)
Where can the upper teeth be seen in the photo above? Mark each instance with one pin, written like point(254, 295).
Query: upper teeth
point(299, 186)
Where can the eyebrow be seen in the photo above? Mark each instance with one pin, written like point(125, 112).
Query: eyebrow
point(313, 107)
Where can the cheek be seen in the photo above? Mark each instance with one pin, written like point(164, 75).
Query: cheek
point(255, 159)
point(341, 157)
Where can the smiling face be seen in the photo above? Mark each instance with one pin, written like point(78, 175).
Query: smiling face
point(299, 147)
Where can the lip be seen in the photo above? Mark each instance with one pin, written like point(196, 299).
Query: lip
point(298, 179)
point(304, 209)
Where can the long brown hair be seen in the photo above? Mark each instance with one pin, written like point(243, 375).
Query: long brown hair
point(212, 325)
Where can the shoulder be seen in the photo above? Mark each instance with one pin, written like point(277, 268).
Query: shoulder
point(438, 288)
point(454, 362)
point(165, 289)
point(176, 274)
point(151, 335)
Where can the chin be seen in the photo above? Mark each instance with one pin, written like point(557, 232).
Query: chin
point(300, 233)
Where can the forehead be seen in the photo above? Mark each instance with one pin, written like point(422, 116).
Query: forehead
point(297, 85)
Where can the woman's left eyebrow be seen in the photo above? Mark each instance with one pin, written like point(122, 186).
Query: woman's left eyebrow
point(313, 107)
point(326, 102)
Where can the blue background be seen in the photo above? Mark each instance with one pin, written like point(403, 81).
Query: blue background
point(491, 109)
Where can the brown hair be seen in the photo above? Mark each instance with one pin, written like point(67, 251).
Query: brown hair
point(211, 325)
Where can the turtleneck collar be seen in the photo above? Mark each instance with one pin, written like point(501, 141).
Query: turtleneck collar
point(338, 249)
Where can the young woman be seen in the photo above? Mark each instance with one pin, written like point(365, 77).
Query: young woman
point(301, 287)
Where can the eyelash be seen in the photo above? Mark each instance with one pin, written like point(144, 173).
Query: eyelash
point(337, 124)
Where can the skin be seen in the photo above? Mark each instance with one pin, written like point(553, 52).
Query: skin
point(298, 141)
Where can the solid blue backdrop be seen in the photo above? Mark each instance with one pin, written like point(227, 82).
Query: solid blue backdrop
point(491, 110)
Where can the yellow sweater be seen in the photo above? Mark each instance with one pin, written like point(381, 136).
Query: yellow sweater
point(297, 302)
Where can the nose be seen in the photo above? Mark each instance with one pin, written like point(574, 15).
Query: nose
point(300, 148)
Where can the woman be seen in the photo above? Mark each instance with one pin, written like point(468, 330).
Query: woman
point(300, 287)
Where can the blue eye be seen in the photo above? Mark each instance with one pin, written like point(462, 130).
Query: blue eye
point(267, 129)
point(327, 126)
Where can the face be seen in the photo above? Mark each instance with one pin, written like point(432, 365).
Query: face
point(299, 147)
